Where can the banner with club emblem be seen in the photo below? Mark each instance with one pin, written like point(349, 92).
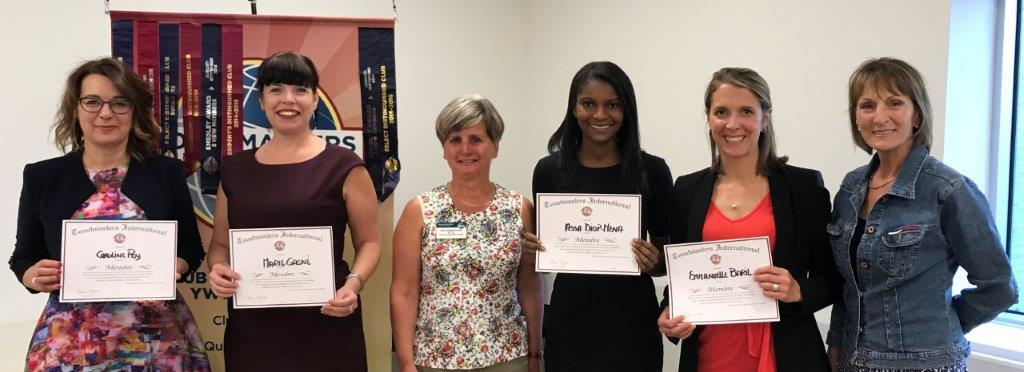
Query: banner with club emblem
point(203, 69)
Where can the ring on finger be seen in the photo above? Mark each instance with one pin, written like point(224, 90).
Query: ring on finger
point(775, 287)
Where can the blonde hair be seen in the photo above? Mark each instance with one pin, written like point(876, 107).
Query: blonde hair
point(752, 81)
point(467, 111)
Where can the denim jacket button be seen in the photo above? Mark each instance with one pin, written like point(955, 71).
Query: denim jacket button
point(864, 264)
point(861, 359)
point(871, 230)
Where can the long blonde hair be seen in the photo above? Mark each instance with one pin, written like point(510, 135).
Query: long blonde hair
point(752, 81)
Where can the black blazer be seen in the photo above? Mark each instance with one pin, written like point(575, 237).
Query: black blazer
point(802, 210)
point(55, 188)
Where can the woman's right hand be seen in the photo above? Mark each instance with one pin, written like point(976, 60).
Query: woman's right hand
point(44, 276)
point(531, 244)
point(676, 327)
point(222, 280)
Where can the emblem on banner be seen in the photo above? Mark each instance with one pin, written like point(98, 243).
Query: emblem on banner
point(391, 164)
point(716, 259)
point(211, 165)
point(119, 238)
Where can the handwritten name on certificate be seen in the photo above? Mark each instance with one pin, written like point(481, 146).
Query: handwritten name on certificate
point(588, 233)
point(283, 267)
point(118, 260)
point(713, 282)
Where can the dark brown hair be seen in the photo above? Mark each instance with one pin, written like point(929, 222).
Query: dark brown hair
point(67, 132)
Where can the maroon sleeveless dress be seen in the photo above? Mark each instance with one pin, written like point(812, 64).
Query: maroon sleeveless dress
point(307, 193)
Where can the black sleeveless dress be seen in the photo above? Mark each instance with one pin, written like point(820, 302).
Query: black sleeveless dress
point(307, 193)
point(606, 322)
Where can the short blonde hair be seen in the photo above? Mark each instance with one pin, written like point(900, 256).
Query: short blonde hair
point(467, 111)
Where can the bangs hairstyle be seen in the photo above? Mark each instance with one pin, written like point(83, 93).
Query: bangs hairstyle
point(752, 81)
point(896, 77)
point(568, 137)
point(67, 131)
point(467, 111)
point(287, 68)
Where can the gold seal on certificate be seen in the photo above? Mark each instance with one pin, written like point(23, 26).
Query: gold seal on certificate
point(105, 260)
point(283, 267)
point(588, 233)
point(713, 282)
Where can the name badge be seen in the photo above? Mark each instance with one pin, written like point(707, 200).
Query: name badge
point(451, 230)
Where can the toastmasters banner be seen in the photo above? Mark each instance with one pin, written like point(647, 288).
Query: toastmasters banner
point(203, 69)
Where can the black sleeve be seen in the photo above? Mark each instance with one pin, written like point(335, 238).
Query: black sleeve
point(29, 245)
point(678, 207)
point(659, 180)
point(545, 179)
point(822, 284)
point(190, 245)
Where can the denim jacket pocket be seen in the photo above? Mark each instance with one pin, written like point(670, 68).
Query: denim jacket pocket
point(901, 249)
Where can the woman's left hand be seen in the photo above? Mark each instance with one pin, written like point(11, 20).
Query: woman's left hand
point(778, 283)
point(646, 254)
point(345, 302)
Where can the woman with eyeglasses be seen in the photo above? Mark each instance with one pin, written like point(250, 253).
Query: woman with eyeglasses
point(110, 171)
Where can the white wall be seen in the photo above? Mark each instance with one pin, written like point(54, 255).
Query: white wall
point(523, 54)
point(806, 51)
point(443, 49)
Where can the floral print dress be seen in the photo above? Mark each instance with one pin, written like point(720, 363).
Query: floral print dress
point(115, 336)
point(469, 314)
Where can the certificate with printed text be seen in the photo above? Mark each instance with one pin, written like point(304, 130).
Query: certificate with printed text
point(588, 233)
point(713, 282)
point(283, 267)
point(107, 260)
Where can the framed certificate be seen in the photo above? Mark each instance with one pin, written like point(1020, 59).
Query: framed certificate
point(588, 233)
point(107, 260)
point(713, 282)
point(283, 267)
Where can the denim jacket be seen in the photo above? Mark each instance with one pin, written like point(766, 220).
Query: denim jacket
point(902, 313)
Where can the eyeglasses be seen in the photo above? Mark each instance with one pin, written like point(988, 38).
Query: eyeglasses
point(117, 105)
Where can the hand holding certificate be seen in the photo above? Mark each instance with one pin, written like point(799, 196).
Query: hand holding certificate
point(588, 234)
point(118, 260)
point(284, 267)
point(713, 282)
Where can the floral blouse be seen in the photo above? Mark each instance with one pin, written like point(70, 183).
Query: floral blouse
point(469, 313)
